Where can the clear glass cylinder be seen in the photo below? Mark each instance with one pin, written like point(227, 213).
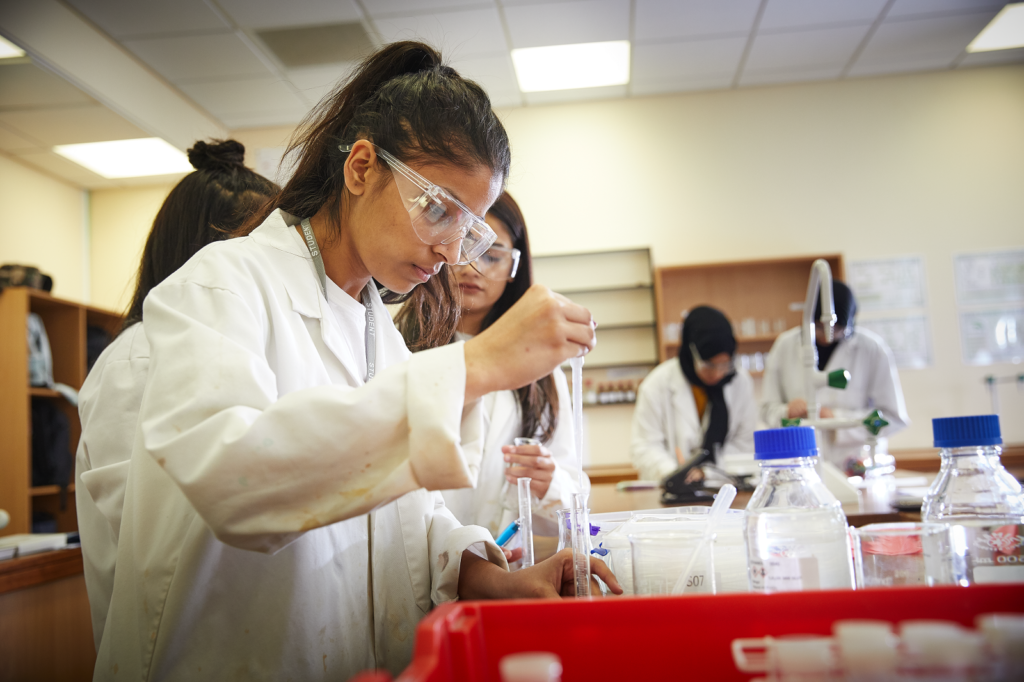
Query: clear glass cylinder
point(525, 521)
point(796, 533)
point(984, 514)
point(660, 557)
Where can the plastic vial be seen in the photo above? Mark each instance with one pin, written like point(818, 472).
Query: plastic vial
point(531, 666)
point(526, 521)
point(796, 532)
point(972, 497)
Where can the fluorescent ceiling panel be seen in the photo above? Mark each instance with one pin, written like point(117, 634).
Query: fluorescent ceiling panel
point(127, 158)
point(569, 67)
point(9, 49)
point(1005, 32)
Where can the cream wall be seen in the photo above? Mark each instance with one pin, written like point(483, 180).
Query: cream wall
point(927, 164)
point(121, 219)
point(45, 226)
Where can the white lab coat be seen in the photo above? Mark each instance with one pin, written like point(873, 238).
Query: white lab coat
point(108, 407)
point(494, 503)
point(874, 384)
point(277, 521)
point(666, 419)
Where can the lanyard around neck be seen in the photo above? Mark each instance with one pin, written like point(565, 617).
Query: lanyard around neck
point(371, 324)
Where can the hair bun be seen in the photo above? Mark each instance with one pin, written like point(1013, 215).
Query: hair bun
point(216, 154)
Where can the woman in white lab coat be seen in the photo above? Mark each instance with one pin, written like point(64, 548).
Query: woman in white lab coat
point(874, 382)
point(696, 402)
point(278, 518)
point(206, 206)
point(541, 410)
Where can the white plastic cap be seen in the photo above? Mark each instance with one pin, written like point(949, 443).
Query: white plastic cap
point(866, 645)
point(941, 643)
point(1005, 633)
point(803, 654)
point(531, 666)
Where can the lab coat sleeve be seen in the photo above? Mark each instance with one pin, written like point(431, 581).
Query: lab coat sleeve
point(884, 392)
point(448, 539)
point(774, 406)
point(649, 447)
point(744, 411)
point(565, 481)
point(261, 468)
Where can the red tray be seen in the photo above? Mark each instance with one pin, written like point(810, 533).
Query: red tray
point(664, 637)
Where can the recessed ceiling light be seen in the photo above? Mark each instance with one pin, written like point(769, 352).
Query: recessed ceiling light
point(9, 49)
point(127, 158)
point(1004, 32)
point(567, 67)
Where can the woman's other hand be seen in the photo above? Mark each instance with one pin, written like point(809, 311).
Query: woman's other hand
point(551, 578)
point(530, 461)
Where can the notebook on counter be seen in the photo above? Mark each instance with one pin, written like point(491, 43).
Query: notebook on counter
point(25, 544)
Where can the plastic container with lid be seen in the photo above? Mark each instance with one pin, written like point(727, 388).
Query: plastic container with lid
point(796, 533)
point(980, 504)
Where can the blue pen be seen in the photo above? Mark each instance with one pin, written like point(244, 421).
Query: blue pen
point(507, 534)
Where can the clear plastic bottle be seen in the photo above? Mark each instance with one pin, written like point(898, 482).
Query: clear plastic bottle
point(796, 532)
point(973, 497)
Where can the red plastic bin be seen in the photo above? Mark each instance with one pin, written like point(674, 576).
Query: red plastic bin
point(657, 638)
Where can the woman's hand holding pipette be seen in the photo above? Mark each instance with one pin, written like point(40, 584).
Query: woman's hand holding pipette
point(530, 461)
point(553, 577)
point(541, 331)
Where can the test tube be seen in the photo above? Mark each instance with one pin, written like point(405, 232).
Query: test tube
point(581, 543)
point(526, 521)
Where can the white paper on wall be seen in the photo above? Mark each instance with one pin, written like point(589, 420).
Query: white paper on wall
point(996, 277)
point(991, 336)
point(909, 338)
point(887, 283)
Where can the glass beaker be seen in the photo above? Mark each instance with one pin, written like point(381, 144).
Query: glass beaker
point(891, 554)
point(660, 557)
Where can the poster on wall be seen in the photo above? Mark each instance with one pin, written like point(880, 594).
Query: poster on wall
point(908, 338)
point(990, 336)
point(888, 283)
point(996, 277)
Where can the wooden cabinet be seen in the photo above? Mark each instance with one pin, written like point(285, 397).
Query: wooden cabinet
point(762, 298)
point(66, 324)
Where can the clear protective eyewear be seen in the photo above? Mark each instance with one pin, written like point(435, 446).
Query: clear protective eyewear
point(718, 367)
point(499, 263)
point(437, 217)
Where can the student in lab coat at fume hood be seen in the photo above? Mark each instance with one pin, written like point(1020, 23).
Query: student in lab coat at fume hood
point(541, 410)
point(874, 383)
point(695, 401)
point(278, 518)
point(206, 206)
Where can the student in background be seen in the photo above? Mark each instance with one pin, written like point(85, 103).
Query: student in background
point(281, 515)
point(541, 410)
point(694, 402)
point(874, 383)
point(206, 206)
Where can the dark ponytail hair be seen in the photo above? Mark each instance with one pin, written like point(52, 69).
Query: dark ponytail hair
point(405, 100)
point(208, 205)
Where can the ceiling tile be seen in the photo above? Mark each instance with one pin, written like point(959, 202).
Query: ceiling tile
point(812, 49)
point(577, 95)
point(27, 85)
point(242, 120)
point(456, 34)
point(277, 14)
point(231, 99)
point(663, 19)
point(914, 44)
point(221, 55)
point(316, 81)
point(122, 18)
point(669, 87)
point(685, 63)
point(71, 125)
point(495, 75)
point(784, 14)
point(12, 142)
point(383, 7)
point(903, 8)
point(790, 76)
point(568, 23)
point(993, 58)
point(57, 165)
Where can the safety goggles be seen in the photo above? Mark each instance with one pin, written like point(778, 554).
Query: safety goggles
point(499, 263)
point(718, 367)
point(437, 217)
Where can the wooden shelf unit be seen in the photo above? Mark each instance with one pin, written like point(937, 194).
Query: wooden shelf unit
point(759, 289)
point(65, 323)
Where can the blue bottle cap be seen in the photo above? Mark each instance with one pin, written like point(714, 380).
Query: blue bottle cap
point(963, 432)
point(787, 443)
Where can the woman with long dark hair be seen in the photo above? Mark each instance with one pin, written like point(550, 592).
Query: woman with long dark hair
point(206, 206)
point(279, 518)
point(541, 410)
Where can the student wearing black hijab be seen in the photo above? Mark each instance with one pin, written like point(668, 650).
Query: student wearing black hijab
point(695, 401)
point(874, 382)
